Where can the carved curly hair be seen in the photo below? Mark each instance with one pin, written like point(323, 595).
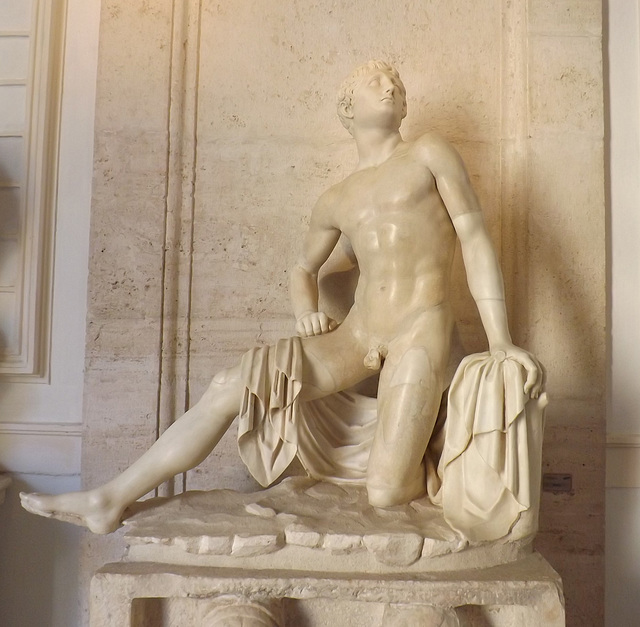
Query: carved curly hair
point(345, 93)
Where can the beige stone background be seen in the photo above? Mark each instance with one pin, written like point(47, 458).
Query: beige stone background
point(216, 131)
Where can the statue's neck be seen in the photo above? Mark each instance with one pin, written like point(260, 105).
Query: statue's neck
point(375, 146)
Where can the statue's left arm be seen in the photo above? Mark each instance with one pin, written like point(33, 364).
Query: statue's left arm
point(481, 264)
point(486, 286)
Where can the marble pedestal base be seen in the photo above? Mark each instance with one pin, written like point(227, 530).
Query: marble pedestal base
point(136, 594)
point(307, 554)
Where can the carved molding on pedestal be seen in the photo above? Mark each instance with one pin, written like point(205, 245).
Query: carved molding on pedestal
point(241, 612)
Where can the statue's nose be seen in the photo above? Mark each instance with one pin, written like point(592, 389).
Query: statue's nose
point(389, 86)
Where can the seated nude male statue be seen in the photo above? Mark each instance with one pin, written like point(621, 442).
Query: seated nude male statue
point(401, 210)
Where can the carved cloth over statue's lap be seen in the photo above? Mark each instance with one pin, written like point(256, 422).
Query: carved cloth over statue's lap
point(483, 477)
point(331, 436)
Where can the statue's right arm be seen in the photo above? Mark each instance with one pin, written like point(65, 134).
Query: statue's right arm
point(318, 244)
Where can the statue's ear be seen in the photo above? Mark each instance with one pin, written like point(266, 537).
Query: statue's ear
point(346, 109)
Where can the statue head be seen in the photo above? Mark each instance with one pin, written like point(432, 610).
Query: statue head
point(349, 85)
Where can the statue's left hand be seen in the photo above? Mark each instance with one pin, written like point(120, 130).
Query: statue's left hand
point(536, 374)
point(314, 323)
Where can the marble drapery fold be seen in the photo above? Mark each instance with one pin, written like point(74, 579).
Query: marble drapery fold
point(331, 436)
point(269, 411)
point(490, 465)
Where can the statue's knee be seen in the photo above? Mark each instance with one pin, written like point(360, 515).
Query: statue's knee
point(382, 497)
point(220, 378)
point(386, 497)
point(227, 378)
point(384, 493)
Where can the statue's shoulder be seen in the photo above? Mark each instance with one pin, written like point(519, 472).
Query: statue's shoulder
point(435, 152)
point(432, 145)
point(328, 203)
point(331, 195)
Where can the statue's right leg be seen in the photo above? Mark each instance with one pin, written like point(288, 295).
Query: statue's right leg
point(412, 382)
point(181, 447)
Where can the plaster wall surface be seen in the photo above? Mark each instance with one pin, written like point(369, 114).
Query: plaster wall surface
point(623, 419)
point(215, 133)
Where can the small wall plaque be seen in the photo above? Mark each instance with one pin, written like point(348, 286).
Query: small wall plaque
point(556, 482)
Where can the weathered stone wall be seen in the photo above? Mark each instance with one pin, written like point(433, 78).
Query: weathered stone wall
point(215, 133)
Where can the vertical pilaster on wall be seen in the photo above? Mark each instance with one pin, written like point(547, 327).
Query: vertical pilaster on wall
point(565, 220)
point(173, 383)
point(127, 240)
point(513, 164)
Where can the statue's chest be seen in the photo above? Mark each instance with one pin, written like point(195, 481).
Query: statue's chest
point(394, 197)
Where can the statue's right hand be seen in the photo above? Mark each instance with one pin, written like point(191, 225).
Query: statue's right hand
point(314, 323)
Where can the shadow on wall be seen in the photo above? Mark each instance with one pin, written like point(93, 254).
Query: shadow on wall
point(571, 532)
point(565, 328)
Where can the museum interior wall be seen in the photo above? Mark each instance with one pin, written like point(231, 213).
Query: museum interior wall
point(215, 131)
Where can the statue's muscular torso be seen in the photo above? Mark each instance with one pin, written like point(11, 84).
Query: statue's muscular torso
point(403, 239)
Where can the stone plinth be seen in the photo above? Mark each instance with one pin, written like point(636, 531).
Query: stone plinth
point(307, 553)
point(526, 592)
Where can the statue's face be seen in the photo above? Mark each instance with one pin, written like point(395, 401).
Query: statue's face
point(378, 100)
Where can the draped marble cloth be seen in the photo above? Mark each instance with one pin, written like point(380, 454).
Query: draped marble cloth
point(490, 465)
point(478, 466)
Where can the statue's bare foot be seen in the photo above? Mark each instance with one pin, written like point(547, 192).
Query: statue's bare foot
point(91, 509)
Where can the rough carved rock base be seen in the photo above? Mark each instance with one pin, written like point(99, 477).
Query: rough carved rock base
point(316, 555)
point(302, 521)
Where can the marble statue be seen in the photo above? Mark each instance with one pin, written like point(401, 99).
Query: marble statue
point(399, 213)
